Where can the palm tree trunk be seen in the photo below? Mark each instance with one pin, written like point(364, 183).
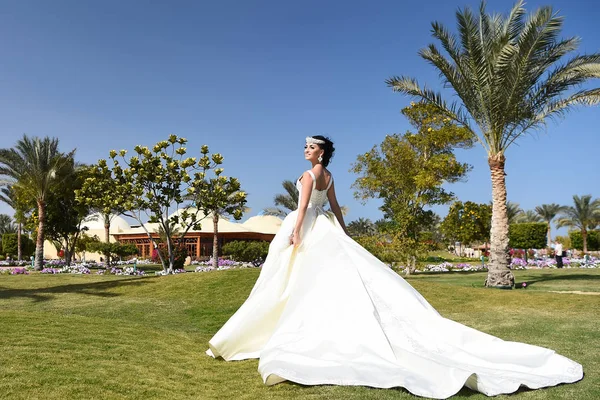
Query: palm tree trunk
point(19, 252)
point(215, 241)
point(498, 273)
point(107, 240)
point(584, 237)
point(39, 243)
point(549, 239)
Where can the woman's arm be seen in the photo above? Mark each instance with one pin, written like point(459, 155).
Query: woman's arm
point(307, 184)
point(335, 207)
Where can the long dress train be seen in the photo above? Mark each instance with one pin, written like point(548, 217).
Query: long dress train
point(329, 312)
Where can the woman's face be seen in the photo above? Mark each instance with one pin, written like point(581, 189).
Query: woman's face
point(312, 152)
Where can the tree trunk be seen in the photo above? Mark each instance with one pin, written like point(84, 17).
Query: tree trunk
point(498, 272)
point(19, 252)
point(216, 241)
point(549, 240)
point(107, 240)
point(39, 243)
point(584, 237)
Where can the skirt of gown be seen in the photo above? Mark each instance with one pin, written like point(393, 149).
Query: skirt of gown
point(329, 312)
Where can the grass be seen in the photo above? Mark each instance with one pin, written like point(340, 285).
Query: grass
point(109, 337)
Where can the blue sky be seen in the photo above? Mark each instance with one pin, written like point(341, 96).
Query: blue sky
point(252, 78)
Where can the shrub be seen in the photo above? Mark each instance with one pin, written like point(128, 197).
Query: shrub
point(9, 245)
point(527, 236)
point(593, 240)
point(254, 252)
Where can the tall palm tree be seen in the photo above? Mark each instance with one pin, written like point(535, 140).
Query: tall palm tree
point(528, 216)
point(583, 215)
point(7, 224)
point(32, 166)
point(288, 202)
point(8, 196)
point(548, 212)
point(505, 73)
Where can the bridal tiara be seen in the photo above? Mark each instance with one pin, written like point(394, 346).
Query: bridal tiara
point(314, 141)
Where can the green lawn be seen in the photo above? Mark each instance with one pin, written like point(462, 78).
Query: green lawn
point(107, 337)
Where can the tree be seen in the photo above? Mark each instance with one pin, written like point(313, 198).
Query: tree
point(583, 215)
point(7, 224)
point(9, 245)
point(593, 240)
point(528, 216)
point(31, 166)
point(362, 227)
point(467, 223)
point(288, 202)
point(408, 172)
point(254, 252)
point(219, 197)
point(100, 193)
point(8, 195)
point(505, 73)
point(548, 212)
point(154, 183)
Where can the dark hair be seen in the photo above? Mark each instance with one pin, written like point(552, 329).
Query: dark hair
point(327, 148)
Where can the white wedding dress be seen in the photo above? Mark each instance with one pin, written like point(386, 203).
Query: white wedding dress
point(329, 312)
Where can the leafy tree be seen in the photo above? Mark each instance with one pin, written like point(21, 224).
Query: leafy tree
point(10, 244)
point(8, 195)
point(548, 212)
point(506, 76)
point(467, 222)
point(583, 215)
point(408, 172)
point(527, 235)
point(84, 244)
point(362, 227)
point(31, 167)
point(220, 196)
point(155, 182)
point(100, 192)
point(254, 252)
point(115, 249)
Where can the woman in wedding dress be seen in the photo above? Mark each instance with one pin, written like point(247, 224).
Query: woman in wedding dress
point(326, 311)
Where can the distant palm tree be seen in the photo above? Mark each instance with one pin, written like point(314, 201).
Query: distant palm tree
point(32, 166)
point(513, 211)
point(528, 216)
point(583, 215)
point(362, 227)
point(548, 212)
point(288, 202)
point(6, 224)
point(505, 74)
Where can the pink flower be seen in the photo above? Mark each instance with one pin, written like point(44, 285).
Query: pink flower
point(524, 284)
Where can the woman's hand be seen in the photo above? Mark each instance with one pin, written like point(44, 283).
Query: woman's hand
point(295, 239)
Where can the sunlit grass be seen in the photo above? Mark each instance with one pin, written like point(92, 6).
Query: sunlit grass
point(108, 337)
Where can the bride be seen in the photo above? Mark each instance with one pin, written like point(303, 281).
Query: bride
point(326, 311)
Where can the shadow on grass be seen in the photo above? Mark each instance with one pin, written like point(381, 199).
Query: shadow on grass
point(100, 289)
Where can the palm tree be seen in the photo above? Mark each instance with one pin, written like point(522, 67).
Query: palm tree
point(362, 227)
point(7, 224)
point(528, 217)
point(583, 215)
point(284, 203)
point(9, 197)
point(513, 212)
point(548, 212)
point(505, 73)
point(288, 202)
point(32, 166)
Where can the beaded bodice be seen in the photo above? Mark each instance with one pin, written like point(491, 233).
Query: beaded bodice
point(318, 198)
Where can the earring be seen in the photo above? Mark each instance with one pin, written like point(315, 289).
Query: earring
point(320, 159)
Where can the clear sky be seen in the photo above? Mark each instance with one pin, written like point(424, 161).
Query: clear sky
point(252, 78)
